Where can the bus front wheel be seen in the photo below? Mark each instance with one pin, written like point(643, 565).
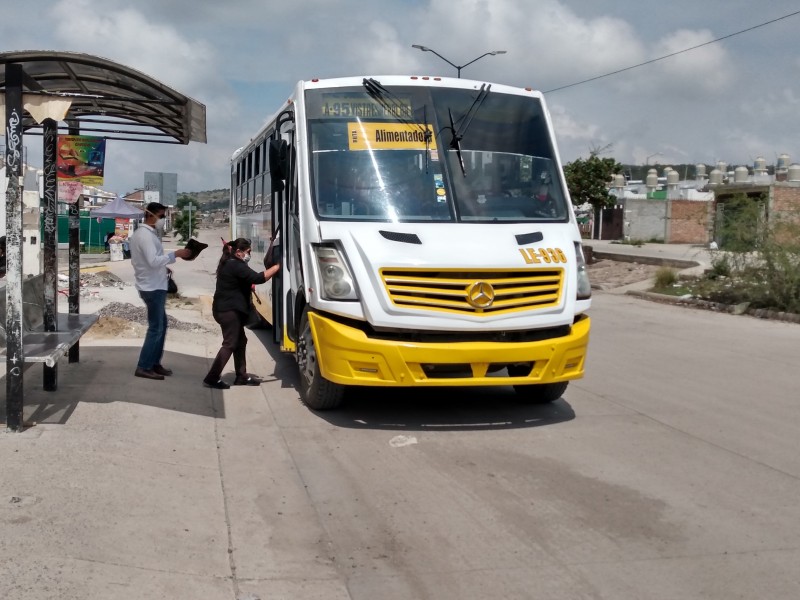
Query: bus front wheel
point(316, 392)
point(541, 393)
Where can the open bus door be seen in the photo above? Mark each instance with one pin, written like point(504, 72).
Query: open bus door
point(280, 175)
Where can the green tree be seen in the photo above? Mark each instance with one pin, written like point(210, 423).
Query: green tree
point(180, 217)
point(183, 200)
point(588, 179)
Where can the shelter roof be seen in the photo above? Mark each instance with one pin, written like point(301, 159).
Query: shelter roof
point(108, 99)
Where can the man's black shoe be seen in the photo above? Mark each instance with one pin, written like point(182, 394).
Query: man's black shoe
point(147, 374)
point(162, 370)
point(217, 385)
point(249, 380)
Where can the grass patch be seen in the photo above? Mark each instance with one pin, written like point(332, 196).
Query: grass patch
point(675, 290)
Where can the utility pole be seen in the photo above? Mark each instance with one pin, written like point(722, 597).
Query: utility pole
point(189, 208)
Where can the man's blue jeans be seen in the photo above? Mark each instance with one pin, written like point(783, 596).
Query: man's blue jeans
point(153, 348)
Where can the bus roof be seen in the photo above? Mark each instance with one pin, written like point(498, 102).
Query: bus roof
point(420, 80)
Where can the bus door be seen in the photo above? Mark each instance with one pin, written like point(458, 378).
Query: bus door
point(284, 193)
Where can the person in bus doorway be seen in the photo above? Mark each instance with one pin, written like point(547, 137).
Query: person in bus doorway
point(150, 272)
point(231, 307)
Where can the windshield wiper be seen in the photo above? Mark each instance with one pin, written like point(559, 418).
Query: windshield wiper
point(394, 106)
point(455, 142)
point(427, 136)
point(466, 120)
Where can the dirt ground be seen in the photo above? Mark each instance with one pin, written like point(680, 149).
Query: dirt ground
point(123, 315)
point(608, 274)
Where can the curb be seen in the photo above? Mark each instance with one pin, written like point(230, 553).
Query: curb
point(646, 260)
point(733, 309)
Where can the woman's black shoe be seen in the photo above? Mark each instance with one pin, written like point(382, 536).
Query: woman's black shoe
point(217, 385)
point(249, 380)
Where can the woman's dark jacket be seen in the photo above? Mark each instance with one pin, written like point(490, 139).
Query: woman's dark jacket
point(234, 282)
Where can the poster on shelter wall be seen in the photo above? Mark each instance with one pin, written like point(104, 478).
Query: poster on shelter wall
point(81, 158)
point(123, 228)
point(69, 191)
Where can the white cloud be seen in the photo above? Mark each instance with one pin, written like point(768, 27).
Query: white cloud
point(725, 100)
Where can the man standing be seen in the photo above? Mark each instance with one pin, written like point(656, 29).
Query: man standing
point(150, 270)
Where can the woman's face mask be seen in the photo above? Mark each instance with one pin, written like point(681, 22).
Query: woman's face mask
point(246, 257)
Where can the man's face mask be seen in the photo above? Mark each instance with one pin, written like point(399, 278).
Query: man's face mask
point(160, 224)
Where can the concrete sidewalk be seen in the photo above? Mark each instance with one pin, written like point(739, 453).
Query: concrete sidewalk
point(127, 488)
point(692, 259)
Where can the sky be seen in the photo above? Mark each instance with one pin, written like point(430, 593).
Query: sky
point(732, 101)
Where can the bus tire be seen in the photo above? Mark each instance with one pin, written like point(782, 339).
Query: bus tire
point(541, 393)
point(315, 391)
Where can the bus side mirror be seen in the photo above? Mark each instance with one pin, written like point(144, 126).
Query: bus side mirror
point(278, 163)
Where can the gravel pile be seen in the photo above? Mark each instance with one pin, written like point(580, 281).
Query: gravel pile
point(101, 279)
point(138, 314)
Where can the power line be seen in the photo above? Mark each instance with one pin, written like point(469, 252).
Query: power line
point(725, 37)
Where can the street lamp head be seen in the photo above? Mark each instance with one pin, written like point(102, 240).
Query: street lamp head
point(457, 67)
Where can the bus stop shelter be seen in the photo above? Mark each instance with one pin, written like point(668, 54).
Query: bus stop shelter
point(46, 93)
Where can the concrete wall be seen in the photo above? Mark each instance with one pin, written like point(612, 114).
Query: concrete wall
point(645, 219)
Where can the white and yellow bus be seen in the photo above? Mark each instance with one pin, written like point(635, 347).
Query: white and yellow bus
point(426, 234)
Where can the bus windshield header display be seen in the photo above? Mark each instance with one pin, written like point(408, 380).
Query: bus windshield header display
point(349, 105)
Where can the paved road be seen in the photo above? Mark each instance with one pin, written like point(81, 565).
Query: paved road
point(670, 472)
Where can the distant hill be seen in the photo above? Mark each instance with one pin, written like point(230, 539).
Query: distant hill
point(209, 200)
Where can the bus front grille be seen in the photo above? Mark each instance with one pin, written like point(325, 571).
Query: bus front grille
point(479, 292)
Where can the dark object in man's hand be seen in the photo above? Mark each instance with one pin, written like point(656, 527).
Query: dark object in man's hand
point(195, 247)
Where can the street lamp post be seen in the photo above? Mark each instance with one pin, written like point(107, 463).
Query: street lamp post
point(647, 160)
point(458, 68)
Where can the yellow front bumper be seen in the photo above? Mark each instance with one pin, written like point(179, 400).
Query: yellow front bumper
point(347, 356)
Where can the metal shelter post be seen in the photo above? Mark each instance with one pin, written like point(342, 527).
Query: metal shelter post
point(75, 257)
point(50, 239)
point(15, 357)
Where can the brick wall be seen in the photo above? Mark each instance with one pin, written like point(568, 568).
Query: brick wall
point(785, 201)
point(689, 222)
point(784, 212)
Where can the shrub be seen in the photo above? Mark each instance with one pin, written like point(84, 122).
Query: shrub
point(665, 277)
point(760, 257)
point(720, 266)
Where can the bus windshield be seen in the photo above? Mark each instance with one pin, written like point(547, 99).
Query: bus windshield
point(405, 153)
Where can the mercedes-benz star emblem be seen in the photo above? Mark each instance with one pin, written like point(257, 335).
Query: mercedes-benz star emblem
point(480, 294)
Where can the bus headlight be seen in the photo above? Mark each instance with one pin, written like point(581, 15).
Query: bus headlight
point(584, 286)
point(337, 281)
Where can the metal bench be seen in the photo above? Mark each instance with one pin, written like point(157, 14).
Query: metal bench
point(40, 346)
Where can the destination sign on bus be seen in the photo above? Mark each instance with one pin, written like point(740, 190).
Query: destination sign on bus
point(389, 136)
point(356, 105)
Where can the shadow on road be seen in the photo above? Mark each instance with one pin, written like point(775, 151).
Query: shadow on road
point(105, 374)
point(443, 409)
point(427, 409)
